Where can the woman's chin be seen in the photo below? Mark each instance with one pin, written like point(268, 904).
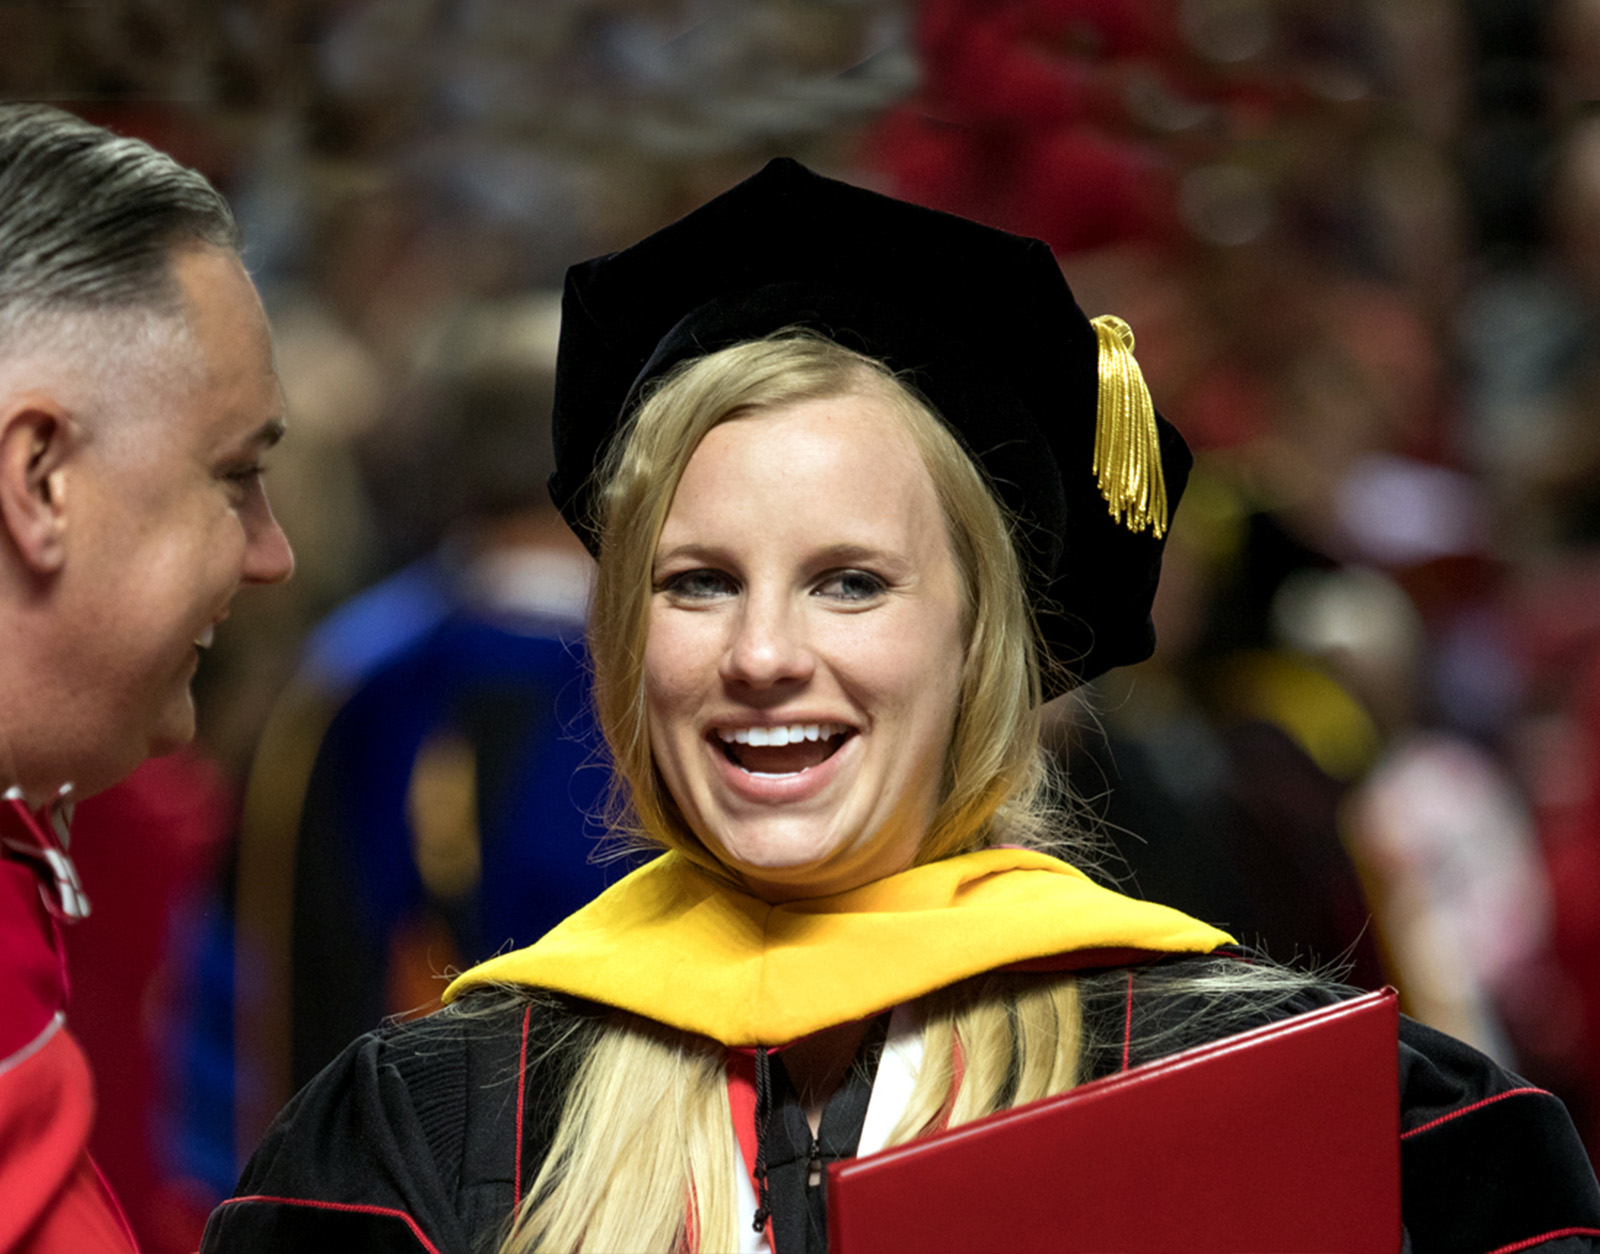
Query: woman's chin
point(774, 871)
point(775, 877)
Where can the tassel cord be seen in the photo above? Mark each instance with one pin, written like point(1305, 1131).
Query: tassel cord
point(763, 1118)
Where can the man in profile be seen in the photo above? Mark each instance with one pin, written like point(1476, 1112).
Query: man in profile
point(137, 399)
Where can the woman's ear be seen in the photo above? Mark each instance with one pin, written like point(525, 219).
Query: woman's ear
point(37, 439)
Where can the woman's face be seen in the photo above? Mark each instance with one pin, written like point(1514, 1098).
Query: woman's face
point(805, 646)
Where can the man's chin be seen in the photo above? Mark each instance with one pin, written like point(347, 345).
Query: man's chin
point(170, 742)
point(97, 776)
point(172, 733)
point(167, 741)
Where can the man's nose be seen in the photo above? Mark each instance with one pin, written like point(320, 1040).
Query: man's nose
point(268, 558)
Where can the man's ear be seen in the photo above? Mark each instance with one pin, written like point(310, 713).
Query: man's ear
point(37, 438)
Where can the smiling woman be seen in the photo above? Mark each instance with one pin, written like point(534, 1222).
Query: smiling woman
point(805, 575)
point(865, 487)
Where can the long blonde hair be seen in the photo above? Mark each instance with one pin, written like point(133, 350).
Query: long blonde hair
point(644, 1157)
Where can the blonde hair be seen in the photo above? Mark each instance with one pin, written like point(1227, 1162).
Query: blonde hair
point(644, 1153)
point(644, 1157)
point(995, 777)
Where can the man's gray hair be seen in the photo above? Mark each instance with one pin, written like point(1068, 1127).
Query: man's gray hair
point(89, 219)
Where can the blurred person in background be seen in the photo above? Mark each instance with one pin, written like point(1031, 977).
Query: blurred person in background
point(1220, 765)
point(148, 848)
point(1527, 332)
point(137, 401)
point(420, 797)
point(1555, 498)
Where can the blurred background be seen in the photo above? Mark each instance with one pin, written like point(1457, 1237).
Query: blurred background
point(1358, 242)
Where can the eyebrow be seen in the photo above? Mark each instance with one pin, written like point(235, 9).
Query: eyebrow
point(688, 553)
point(846, 554)
point(268, 433)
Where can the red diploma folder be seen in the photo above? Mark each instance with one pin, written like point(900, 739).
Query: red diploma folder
point(1286, 1138)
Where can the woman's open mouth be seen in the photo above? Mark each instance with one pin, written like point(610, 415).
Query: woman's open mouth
point(783, 750)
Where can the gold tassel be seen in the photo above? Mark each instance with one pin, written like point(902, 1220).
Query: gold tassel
point(1127, 450)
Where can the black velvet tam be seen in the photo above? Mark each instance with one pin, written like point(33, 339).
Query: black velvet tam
point(977, 320)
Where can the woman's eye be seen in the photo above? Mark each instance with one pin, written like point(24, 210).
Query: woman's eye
point(697, 585)
point(852, 585)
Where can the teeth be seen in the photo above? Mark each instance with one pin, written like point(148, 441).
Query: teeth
point(792, 734)
point(205, 638)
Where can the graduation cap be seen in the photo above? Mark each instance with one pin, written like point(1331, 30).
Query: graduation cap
point(980, 322)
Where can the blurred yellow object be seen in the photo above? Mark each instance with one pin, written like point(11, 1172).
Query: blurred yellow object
point(442, 804)
point(1304, 702)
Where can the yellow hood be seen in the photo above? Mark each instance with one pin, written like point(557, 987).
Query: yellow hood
point(675, 945)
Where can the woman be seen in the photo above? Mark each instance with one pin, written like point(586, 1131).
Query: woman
point(865, 486)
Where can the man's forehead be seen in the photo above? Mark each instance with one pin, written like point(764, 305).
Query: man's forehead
point(247, 424)
point(213, 285)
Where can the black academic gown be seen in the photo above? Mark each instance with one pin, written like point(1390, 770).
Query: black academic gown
point(410, 1140)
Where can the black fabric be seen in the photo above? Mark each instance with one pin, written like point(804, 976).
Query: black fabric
point(1484, 1165)
point(352, 1138)
point(337, 941)
point(980, 321)
point(419, 1120)
point(800, 1208)
point(387, 1125)
point(307, 1228)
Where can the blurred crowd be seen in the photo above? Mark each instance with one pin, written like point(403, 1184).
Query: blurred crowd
point(1358, 242)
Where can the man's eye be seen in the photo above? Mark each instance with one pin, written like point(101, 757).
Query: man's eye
point(852, 585)
point(245, 474)
point(698, 585)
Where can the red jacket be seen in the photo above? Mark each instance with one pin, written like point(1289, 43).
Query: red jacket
point(55, 1200)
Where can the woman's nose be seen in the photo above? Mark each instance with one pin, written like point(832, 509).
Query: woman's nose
point(768, 645)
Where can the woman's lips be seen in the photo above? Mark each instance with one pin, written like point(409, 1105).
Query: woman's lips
point(786, 749)
point(789, 771)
